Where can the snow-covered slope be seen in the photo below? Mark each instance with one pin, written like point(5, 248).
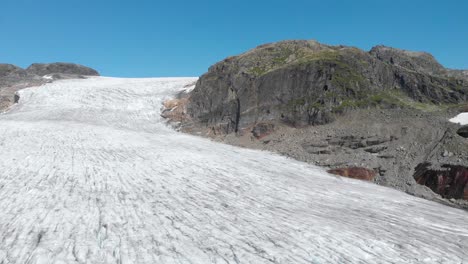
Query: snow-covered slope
point(90, 174)
point(461, 119)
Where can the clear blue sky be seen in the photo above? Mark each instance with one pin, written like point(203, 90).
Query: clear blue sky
point(142, 38)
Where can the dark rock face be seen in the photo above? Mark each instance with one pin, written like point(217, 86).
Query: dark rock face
point(355, 173)
point(463, 131)
point(411, 60)
point(306, 83)
point(16, 98)
point(42, 69)
point(450, 181)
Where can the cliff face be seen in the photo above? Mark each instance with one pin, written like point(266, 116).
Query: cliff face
point(308, 83)
point(410, 60)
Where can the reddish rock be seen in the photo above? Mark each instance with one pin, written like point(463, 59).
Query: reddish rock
point(355, 173)
point(451, 181)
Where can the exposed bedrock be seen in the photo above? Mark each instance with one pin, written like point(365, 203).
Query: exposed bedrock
point(42, 69)
point(450, 181)
point(307, 83)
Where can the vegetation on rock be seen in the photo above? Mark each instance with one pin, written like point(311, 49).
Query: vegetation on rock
point(307, 83)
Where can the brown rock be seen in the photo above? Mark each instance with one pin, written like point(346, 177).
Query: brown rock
point(175, 109)
point(355, 173)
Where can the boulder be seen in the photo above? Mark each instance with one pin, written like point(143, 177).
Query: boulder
point(174, 109)
point(304, 83)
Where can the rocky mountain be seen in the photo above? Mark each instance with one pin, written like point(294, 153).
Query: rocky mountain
point(308, 83)
point(11, 70)
point(13, 78)
point(42, 69)
point(379, 115)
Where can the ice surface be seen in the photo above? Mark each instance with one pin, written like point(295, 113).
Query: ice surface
point(461, 118)
point(90, 174)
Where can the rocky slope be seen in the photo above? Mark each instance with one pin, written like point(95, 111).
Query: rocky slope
point(13, 78)
point(385, 110)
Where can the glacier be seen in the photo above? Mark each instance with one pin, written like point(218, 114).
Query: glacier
point(90, 173)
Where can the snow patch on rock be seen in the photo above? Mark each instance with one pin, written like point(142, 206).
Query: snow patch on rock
point(461, 119)
point(48, 77)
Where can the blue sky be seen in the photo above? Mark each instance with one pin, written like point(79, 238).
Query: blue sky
point(142, 38)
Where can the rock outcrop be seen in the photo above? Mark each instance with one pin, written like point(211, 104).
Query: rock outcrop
point(11, 74)
point(307, 83)
point(409, 60)
point(449, 181)
point(42, 69)
point(175, 109)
